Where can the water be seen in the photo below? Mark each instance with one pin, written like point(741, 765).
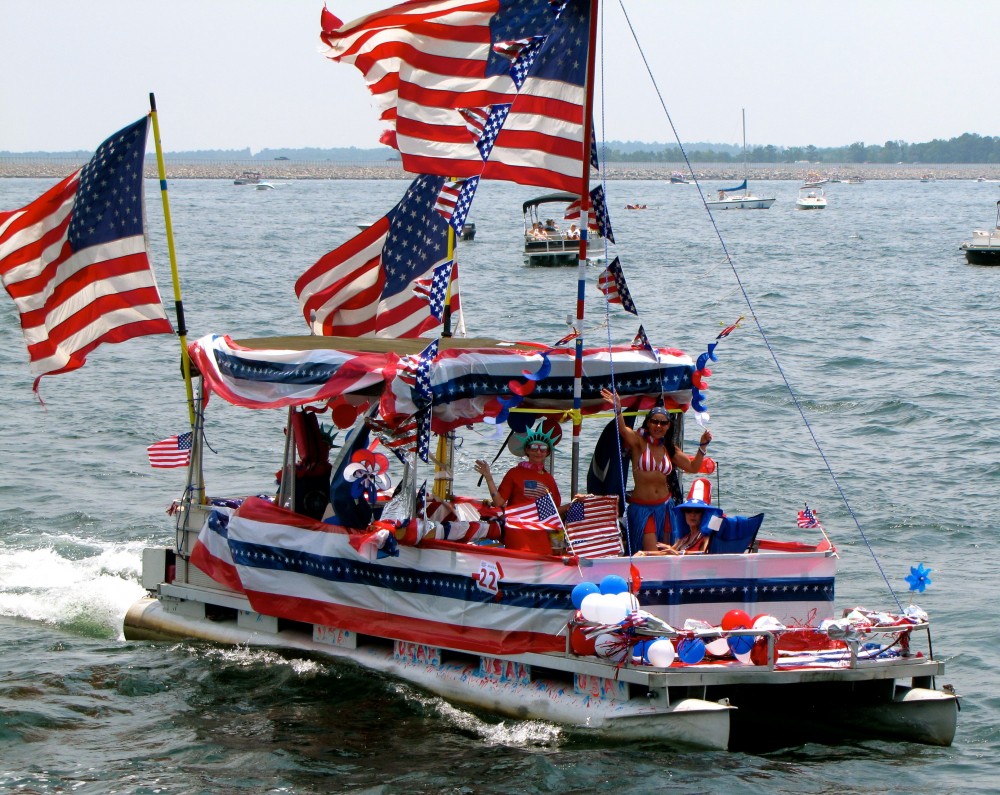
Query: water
point(886, 335)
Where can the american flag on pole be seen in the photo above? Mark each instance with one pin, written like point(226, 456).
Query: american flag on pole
point(427, 62)
point(807, 518)
point(611, 282)
point(74, 260)
point(541, 514)
point(592, 529)
point(365, 288)
point(174, 451)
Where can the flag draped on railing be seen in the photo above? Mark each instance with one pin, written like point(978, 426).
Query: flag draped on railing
point(75, 263)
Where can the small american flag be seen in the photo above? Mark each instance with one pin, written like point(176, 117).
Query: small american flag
point(592, 527)
point(807, 518)
point(541, 514)
point(174, 451)
point(611, 282)
point(641, 341)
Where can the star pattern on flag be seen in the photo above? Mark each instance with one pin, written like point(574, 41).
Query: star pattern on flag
point(439, 288)
point(612, 284)
point(109, 196)
point(601, 213)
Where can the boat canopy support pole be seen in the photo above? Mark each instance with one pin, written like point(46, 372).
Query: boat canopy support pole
point(581, 269)
point(178, 302)
point(286, 491)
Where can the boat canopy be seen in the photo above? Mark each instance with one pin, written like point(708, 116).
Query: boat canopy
point(467, 378)
point(741, 186)
point(553, 198)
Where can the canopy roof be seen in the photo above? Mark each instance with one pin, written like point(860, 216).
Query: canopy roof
point(465, 379)
point(549, 198)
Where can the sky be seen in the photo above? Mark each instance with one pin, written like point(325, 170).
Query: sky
point(232, 74)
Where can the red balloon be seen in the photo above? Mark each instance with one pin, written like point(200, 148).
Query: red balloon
point(736, 619)
point(758, 654)
point(344, 415)
point(707, 466)
point(580, 644)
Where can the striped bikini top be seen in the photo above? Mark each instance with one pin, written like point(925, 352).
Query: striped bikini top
point(647, 463)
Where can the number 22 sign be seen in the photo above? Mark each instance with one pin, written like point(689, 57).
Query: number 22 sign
point(488, 577)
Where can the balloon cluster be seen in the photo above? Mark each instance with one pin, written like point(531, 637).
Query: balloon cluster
point(617, 611)
point(521, 390)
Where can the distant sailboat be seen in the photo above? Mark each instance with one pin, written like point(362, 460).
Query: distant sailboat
point(730, 198)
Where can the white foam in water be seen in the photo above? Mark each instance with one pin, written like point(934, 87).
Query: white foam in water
point(514, 734)
point(91, 593)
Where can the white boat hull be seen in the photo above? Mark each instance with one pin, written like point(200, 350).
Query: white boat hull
point(600, 703)
point(742, 203)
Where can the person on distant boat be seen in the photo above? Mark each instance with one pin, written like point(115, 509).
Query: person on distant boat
point(654, 455)
point(529, 480)
point(722, 195)
point(550, 227)
point(537, 232)
point(572, 233)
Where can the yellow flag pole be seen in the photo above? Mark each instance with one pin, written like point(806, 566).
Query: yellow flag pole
point(443, 462)
point(178, 303)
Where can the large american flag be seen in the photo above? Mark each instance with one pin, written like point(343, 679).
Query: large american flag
point(592, 529)
point(74, 260)
point(427, 62)
point(373, 285)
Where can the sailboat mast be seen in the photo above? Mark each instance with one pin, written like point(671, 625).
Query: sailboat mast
point(746, 165)
point(581, 279)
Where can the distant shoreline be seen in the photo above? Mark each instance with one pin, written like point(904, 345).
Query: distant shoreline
point(295, 170)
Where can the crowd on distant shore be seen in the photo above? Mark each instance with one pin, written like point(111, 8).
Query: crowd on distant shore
point(291, 170)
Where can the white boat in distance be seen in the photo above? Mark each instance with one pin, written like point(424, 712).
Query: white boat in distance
point(984, 247)
point(731, 198)
point(811, 198)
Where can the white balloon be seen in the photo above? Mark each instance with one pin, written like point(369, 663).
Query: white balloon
point(767, 622)
point(611, 647)
point(719, 647)
point(627, 601)
point(590, 607)
point(743, 658)
point(610, 610)
point(661, 653)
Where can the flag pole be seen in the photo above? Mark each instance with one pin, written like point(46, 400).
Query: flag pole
point(443, 461)
point(178, 303)
point(588, 126)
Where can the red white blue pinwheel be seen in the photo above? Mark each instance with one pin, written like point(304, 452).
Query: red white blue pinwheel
point(367, 475)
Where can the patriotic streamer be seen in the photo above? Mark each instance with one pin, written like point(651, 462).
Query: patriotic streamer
point(698, 382)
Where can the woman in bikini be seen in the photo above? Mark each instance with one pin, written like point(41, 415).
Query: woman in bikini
point(654, 455)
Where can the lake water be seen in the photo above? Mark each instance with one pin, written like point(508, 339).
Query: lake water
point(886, 336)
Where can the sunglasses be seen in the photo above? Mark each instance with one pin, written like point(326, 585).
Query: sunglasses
point(657, 422)
point(537, 446)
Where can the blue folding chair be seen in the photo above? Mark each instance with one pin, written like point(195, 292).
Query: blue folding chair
point(736, 535)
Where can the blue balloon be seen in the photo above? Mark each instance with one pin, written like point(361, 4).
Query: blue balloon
point(691, 650)
point(641, 649)
point(613, 584)
point(581, 591)
point(702, 361)
point(741, 644)
point(697, 400)
point(711, 351)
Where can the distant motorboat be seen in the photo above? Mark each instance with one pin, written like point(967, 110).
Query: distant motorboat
point(811, 198)
point(264, 186)
point(984, 248)
point(248, 178)
point(677, 178)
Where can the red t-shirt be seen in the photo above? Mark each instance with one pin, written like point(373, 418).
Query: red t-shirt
point(523, 476)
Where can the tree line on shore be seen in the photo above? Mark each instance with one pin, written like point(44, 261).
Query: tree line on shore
point(966, 148)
